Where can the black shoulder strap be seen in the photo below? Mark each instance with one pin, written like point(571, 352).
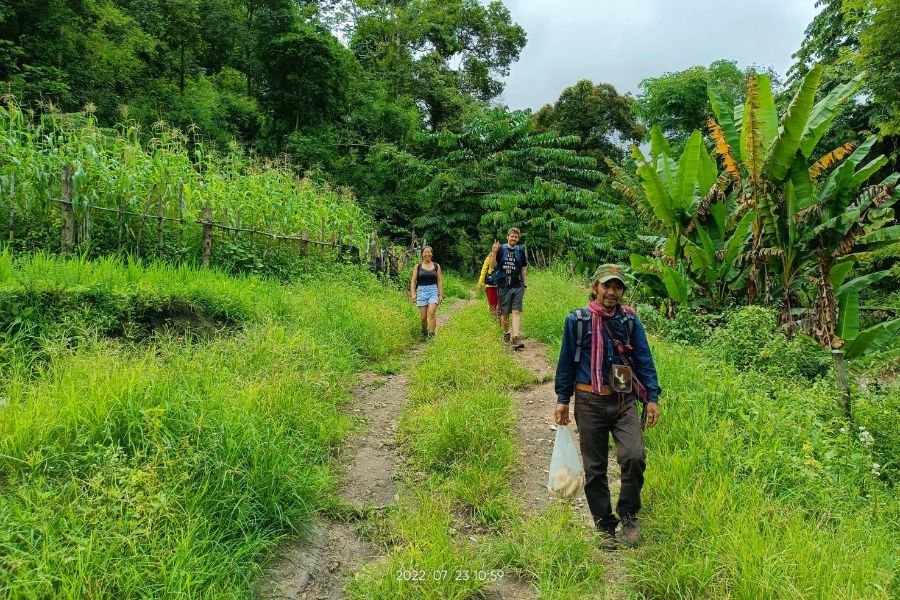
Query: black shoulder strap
point(581, 315)
point(628, 324)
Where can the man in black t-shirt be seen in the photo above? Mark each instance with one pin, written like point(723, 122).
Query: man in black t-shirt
point(510, 266)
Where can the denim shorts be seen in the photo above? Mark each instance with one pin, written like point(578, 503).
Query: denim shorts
point(426, 294)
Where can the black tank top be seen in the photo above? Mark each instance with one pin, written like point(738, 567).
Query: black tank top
point(426, 277)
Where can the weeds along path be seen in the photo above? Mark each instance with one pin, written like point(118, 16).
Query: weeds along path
point(535, 432)
point(334, 548)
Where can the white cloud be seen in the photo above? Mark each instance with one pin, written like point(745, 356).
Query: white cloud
point(624, 41)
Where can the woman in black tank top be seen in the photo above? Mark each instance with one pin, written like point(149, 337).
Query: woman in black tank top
point(426, 289)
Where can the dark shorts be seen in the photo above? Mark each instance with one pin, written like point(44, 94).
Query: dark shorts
point(510, 299)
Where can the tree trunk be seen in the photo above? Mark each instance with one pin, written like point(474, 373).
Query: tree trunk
point(825, 324)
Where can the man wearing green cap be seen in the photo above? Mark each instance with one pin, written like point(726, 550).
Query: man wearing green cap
point(605, 360)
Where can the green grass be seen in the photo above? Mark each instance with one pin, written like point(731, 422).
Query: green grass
point(456, 285)
point(551, 296)
point(458, 431)
point(554, 550)
point(169, 466)
point(425, 560)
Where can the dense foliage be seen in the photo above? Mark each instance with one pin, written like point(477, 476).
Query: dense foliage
point(115, 170)
point(770, 224)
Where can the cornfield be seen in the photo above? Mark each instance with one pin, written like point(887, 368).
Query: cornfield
point(166, 175)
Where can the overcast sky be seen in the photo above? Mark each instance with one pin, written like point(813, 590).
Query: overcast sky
point(624, 41)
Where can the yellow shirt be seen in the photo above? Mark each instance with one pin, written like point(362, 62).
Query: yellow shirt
point(484, 270)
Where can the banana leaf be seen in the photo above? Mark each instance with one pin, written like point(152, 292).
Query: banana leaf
point(782, 152)
point(725, 117)
point(848, 316)
point(871, 339)
point(768, 116)
point(825, 111)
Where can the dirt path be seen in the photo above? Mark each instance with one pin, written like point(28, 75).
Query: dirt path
point(536, 430)
point(317, 567)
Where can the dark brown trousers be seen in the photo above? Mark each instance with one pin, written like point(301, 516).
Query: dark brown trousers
point(597, 417)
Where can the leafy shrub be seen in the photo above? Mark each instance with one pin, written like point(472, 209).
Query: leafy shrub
point(800, 355)
point(750, 340)
point(877, 412)
point(455, 286)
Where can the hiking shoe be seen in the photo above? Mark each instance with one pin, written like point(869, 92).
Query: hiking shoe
point(506, 338)
point(630, 534)
point(430, 336)
point(424, 334)
point(608, 540)
point(517, 343)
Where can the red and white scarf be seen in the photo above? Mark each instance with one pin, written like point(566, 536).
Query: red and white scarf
point(598, 313)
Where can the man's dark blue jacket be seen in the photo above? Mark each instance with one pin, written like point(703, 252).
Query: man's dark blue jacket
point(568, 372)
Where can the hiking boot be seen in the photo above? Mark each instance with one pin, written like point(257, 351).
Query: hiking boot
point(430, 336)
point(608, 540)
point(506, 338)
point(630, 534)
point(517, 343)
point(424, 334)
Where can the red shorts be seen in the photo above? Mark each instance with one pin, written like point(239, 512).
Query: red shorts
point(493, 300)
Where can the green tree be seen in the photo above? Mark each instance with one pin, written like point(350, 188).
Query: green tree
point(677, 103)
point(601, 118)
point(498, 164)
point(443, 54)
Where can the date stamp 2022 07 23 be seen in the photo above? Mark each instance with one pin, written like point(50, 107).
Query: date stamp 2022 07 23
point(449, 575)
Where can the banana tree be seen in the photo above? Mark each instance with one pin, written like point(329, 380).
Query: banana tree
point(679, 194)
point(715, 257)
point(674, 190)
point(751, 137)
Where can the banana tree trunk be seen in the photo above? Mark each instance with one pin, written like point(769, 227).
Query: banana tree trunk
point(825, 325)
point(785, 318)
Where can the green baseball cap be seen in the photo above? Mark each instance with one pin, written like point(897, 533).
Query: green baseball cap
point(607, 272)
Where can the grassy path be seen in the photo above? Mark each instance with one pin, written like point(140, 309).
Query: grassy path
point(336, 546)
point(462, 525)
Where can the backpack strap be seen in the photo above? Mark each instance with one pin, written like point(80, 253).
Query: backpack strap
point(581, 315)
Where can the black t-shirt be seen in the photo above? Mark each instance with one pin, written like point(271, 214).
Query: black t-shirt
point(426, 277)
point(508, 273)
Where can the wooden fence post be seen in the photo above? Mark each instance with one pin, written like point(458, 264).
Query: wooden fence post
point(140, 235)
point(304, 243)
point(840, 368)
point(207, 235)
point(159, 226)
point(12, 206)
point(373, 249)
point(121, 220)
point(181, 248)
point(68, 230)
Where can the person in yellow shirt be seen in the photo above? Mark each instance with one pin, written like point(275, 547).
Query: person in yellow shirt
point(486, 281)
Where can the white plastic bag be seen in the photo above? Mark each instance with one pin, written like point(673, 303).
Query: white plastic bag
point(566, 473)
